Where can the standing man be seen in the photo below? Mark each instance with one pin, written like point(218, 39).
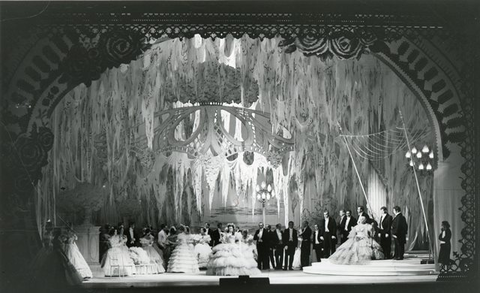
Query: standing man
point(291, 241)
point(209, 232)
point(350, 222)
point(399, 232)
point(384, 234)
point(262, 247)
point(317, 243)
point(361, 213)
point(132, 238)
point(162, 241)
point(341, 223)
point(329, 232)
point(271, 244)
point(278, 239)
point(216, 235)
point(306, 245)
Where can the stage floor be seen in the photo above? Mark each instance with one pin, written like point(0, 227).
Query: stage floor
point(275, 277)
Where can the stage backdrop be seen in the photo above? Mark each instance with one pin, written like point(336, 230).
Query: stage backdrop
point(99, 132)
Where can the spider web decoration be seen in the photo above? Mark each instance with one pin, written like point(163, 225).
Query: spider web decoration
point(381, 145)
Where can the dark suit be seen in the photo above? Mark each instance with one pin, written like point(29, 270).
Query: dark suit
point(306, 246)
point(291, 245)
point(210, 233)
point(131, 242)
point(271, 243)
point(329, 242)
point(262, 249)
point(279, 245)
point(347, 228)
point(384, 229)
point(318, 247)
point(215, 237)
point(399, 229)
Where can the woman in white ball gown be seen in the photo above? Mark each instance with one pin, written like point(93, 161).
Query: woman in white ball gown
point(183, 259)
point(74, 255)
point(117, 261)
point(147, 242)
point(297, 257)
point(203, 249)
point(360, 246)
point(227, 259)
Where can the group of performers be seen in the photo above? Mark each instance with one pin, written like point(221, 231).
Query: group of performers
point(229, 251)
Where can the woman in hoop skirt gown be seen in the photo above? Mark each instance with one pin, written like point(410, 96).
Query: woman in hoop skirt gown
point(202, 249)
point(147, 242)
point(360, 247)
point(183, 259)
point(51, 268)
point(74, 255)
point(117, 261)
point(227, 258)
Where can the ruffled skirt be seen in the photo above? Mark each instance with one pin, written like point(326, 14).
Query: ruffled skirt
point(229, 260)
point(117, 262)
point(357, 251)
point(155, 259)
point(183, 260)
point(202, 251)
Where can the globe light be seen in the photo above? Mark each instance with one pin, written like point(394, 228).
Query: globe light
point(263, 195)
point(408, 155)
point(273, 193)
point(421, 167)
point(429, 167)
point(264, 185)
point(269, 188)
point(258, 196)
point(414, 150)
point(258, 188)
point(425, 149)
point(268, 196)
point(411, 163)
point(431, 155)
point(419, 155)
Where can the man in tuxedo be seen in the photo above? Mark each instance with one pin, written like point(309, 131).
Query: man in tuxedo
point(317, 243)
point(271, 242)
point(216, 235)
point(262, 247)
point(350, 222)
point(209, 232)
point(279, 245)
point(290, 239)
point(132, 237)
point(384, 234)
point(329, 232)
point(306, 245)
point(341, 223)
point(399, 232)
point(361, 213)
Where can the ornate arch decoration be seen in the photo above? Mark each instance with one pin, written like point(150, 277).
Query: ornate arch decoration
point(63, 49)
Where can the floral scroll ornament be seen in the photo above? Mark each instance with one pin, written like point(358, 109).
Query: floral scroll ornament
point(344, 44)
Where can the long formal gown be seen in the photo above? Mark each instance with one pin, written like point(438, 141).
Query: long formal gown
point(75, 257)
point(228, 259)
point(51, 267)
point(117, 261)
point(183, 259)
point(155, 258)
point(360, 247)
point(297, 257)
point(203, 250)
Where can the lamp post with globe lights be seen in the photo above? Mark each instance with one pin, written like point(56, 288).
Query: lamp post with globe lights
point(264, 194)
point(422, 159)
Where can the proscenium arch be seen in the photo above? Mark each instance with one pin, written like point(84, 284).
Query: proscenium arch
point(50, 70)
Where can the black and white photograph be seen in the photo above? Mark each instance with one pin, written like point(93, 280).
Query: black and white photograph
point(239, 146)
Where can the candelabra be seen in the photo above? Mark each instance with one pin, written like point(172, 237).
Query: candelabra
point(421, 159)
point(264, 194)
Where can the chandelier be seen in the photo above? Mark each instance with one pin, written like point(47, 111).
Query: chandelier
point(422, 159)
point(220, 129)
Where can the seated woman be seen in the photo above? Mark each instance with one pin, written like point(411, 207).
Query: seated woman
point(228, 259)
point(359, 248)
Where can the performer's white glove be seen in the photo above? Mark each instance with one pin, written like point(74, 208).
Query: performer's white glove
point(386, 235)
point(442, 242)
point(321, 237)
point(394, 236)
point(379, 234)
point(333, 237)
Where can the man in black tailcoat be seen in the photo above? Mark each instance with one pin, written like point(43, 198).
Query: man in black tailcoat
point(306, 235)
point(399, 232)
point(209, 232)
point(290, 239)
point(279, 246)
point(261, 237)
point(329, 234)
point(384, 231)
point(216, 235)
point(317, 242)
point(132, 236)
point(350, 222)
point(361, 213)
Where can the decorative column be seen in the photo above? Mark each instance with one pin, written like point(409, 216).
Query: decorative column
point(88, 242)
